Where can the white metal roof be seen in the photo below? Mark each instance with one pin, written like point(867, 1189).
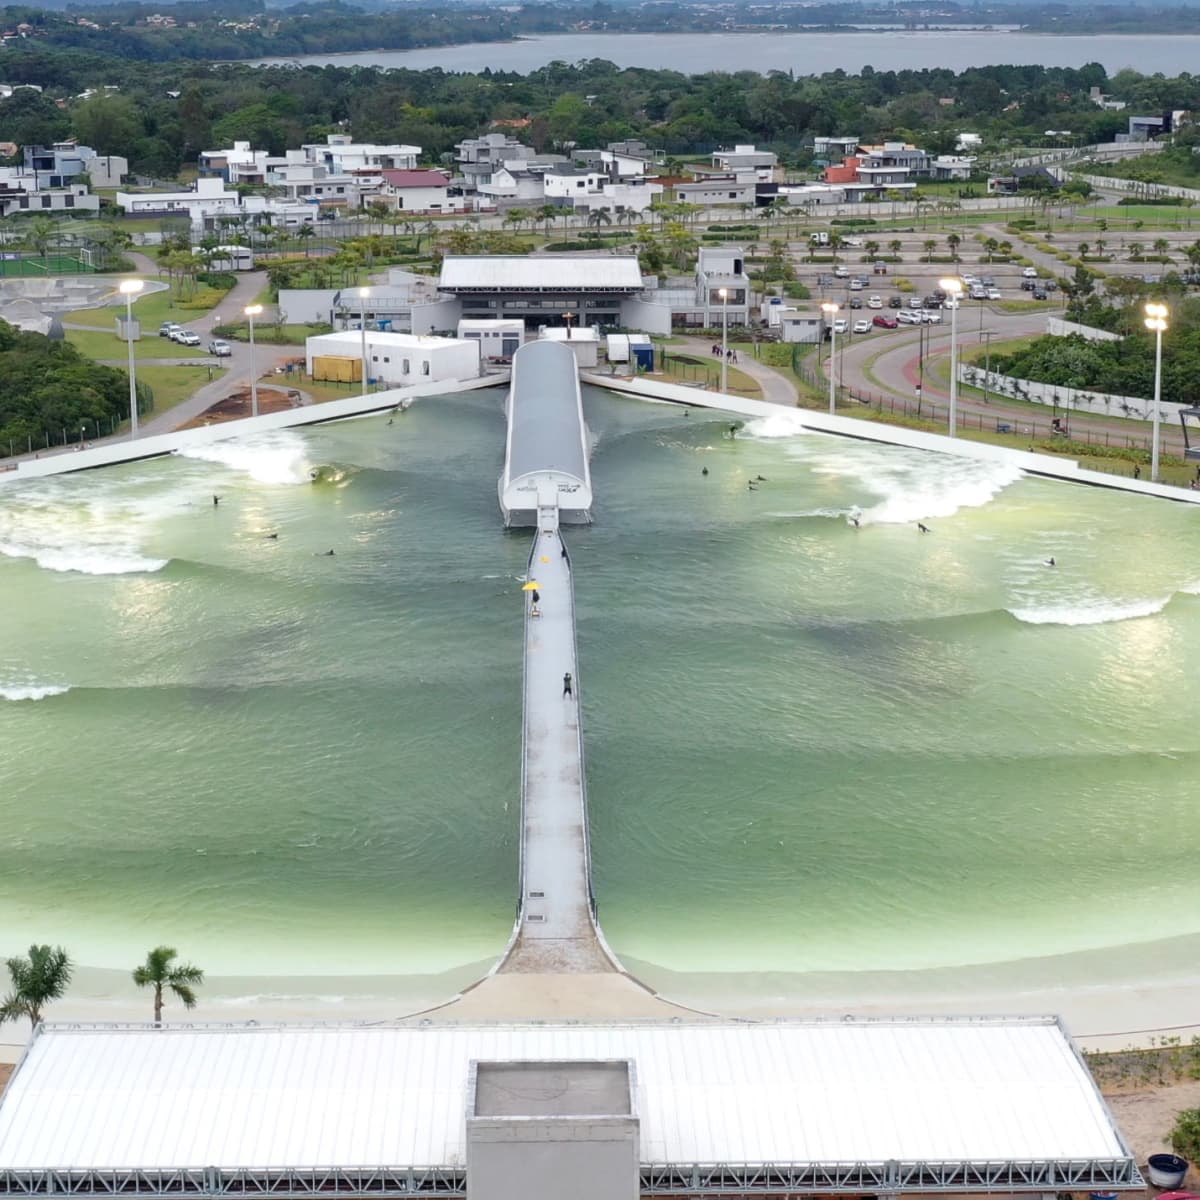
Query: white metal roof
point(262, 1097)
point(515, 271)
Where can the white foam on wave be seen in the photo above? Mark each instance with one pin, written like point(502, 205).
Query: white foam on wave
point(273, 458)
point(1091, 612)
point(85, 559)
point(31, 691)
point(778, 425)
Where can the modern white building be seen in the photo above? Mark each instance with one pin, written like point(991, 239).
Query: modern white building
point(61, 163)
point(19, 195)
point(620, 198)
point(771, 1109)
point(717, 191)
point(399, 358)
point(723, 268)
point(747, 158)
point(239, 164)
point(339, 154)
point(208, 197)
point(952, 166)
point(831, 148)
point(812, 195)
point(498, 339)
point(564, 183)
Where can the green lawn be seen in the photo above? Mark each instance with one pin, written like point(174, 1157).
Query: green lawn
point(107, 346)
point(173, 384)
point(151, 310)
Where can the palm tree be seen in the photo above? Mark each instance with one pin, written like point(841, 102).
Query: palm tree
point(305, 234)
point(36, 980)
point(1161, 247)
point(596, 218)
point(895, 246)
point(546, 213)
point(160, 971)
point(991, 246)
point(930, 246)
point(1083, 249)
point(39, 233)
point(953, 240)
point(1100, 246)
point(872, 249)
point(1135, 250)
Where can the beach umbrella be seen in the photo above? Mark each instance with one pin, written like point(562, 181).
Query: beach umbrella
point(531, 586)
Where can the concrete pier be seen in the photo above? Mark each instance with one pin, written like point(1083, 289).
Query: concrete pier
point(556, 928)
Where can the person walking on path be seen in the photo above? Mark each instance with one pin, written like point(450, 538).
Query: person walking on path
point(567, 685)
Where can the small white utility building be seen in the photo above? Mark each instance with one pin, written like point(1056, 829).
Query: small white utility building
point(397, 358)
point(584, 342)
point(499, 338)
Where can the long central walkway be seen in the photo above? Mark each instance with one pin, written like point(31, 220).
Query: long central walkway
point(555, 925)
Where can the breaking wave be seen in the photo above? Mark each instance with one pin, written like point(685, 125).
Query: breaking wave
point(908, 495)
point(1099, 612)
point(86, 560)
point(273, 458)
point(31, 691)
point(778, 425)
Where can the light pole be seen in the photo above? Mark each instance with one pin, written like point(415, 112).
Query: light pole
point(1156, 320)
point(987, 361)
point(724, 294)
point(953, 288)
point(130, 288)
point(363, 293)
point(830, 310)
point(252, 311)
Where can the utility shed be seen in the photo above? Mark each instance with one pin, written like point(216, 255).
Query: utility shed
point(393, 358)
point(773, 1109)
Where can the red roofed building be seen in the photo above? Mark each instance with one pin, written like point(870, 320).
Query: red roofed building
point(417, 191)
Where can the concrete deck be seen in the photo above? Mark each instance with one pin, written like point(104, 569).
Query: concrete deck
point(555, 930)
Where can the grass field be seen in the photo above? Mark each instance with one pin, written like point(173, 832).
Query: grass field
point(107, 347)
point(150, 310)
point(172, 384)
point(40, 268)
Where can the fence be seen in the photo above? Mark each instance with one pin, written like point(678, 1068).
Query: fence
point(1052, 428)
point(79, 433)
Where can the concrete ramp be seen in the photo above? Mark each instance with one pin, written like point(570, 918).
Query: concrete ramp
point(546, 450)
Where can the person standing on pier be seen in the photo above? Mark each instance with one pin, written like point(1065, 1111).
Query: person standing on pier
point(567, 685)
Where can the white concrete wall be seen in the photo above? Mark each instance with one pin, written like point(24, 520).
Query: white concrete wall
point(306, 306)
point(1057, 327)
point(113, 452)
point(1137, 408)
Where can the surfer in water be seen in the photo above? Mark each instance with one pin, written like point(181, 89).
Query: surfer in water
point(1051, 563)
point(923, 528)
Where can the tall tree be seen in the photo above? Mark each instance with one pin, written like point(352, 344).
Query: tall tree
point(161, 972)
point(38, 978)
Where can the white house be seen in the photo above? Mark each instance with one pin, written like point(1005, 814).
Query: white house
point(619, 198)
point(209, 196)
point(341, 156)
point(952, 166)
point(239, 164)
point(812, 194)
point(16, 197)
point(566, 182)
point(968, 141)
point(314, 183)
point(716, 191)
point(512, 183)
point(723, 268)
point(417, 191)
point(747, 158)
point(831, 148)
point(398, 358)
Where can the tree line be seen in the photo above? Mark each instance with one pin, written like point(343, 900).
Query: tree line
point(44, 974)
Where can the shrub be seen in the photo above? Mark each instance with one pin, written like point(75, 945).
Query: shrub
point(854, 221)
point(903, 285)
point(796, 291)
point(1185, 1137)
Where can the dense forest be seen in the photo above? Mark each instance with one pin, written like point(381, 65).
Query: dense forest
point(587, 104)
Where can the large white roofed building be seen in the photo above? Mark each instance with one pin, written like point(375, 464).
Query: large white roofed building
point(817, 1107)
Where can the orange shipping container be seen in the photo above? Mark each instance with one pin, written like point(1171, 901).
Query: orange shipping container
point(337, 369)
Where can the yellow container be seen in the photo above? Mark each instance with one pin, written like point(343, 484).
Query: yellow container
point(334, 368)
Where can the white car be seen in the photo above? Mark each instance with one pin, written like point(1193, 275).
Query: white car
point(1030, 272)
point(931, 318)
point(841, 272)
point(862, 326)
point(915, 302)
point(856, 285)
point(186, 337)
point(969, 280)
point(874, 301)
point(994, 294)
point(840, 325)
point(907, 317)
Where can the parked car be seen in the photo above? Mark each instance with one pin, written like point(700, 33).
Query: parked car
point(185, 337)
point(978, 292)
point(1039, 294)
point(908, 317)
point(995, 294)
point(167, 328)
point(853, 242)
point(855, 302)
point(874, 301)
point(840, 325)
point(1030, 272)
point(856, 285)
point(1027, 285)
point(969, 280)
point(895, 302)
point(841, 272)
point(880, 268)
point(863, 326)
point(883, 322)
point(1050, 285)
point(987, 281)
point(220, 348)
point(933, 301)
point(914, 302)
point(931, 318)
point(951, 302)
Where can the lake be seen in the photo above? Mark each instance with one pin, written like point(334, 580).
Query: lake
point(801, 52)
